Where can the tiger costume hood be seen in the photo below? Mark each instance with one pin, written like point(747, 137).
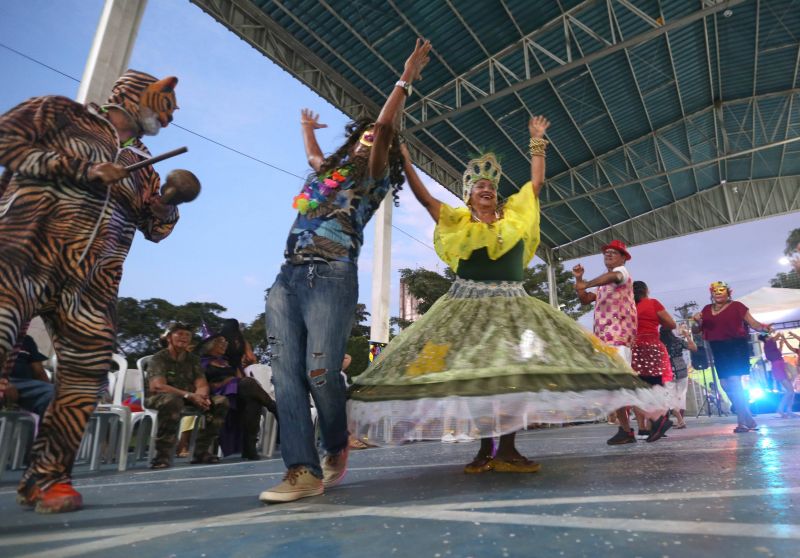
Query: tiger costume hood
point(149, 101)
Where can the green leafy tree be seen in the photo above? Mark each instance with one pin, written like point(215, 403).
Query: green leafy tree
point(790, 279)
point(358, 349)
point(428, 286)
point(140, 323)
point(256, 334)
point(536, 284)
point(792, 242)
point(359, 329)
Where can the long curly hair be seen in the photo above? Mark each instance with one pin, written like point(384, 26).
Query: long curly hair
point(341, 156)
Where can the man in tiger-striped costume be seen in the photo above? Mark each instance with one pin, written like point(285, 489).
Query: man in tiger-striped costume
point(68, 214)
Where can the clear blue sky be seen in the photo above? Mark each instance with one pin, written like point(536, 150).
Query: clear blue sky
point(228, 245)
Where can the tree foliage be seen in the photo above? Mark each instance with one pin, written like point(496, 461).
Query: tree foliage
point(140, 323)
point(427, 286)
point(536, 284)
point(792, 242)
point(790, 279)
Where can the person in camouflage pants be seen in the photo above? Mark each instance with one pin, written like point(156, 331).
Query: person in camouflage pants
point(175, 381)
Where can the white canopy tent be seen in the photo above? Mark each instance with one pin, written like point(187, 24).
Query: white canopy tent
point(773, 306)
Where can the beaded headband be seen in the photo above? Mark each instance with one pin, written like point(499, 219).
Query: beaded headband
point(483, 168)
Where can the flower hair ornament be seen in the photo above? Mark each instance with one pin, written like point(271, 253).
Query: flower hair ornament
point(483, 168)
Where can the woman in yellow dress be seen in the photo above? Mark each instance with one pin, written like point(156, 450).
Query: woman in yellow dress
point(487, 352)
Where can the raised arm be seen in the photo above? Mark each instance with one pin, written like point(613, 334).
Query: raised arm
point(755, 324)
point(385, 125)
point(309, 122)
point(419, 190)
point(665, 319)
point(537, 126)
point(580, 288)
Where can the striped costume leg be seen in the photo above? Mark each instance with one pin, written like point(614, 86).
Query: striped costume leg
point(83, 329)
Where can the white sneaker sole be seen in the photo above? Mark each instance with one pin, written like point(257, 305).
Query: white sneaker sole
point(281, 497)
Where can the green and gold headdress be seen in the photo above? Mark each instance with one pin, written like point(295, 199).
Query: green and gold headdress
point(483, 168)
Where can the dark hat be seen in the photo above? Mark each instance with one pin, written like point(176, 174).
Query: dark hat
point(29, 346)
point(619, 246)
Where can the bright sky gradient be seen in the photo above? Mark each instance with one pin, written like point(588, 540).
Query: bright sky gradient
point(228, 245)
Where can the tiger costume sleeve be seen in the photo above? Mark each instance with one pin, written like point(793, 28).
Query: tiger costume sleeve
point(21, 131)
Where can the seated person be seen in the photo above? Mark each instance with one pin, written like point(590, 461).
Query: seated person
point(246, 398)
point(239, 352)
point(175, 381)
point(34, 389)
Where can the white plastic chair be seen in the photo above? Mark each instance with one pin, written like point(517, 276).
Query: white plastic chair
point(262, 373)
point(110, 422)
point(16, 432)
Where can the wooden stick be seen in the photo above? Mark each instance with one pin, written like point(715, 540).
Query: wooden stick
point(156, 159)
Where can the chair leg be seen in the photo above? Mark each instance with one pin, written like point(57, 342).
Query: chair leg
point(124, 439)
point(273, 437)
point(6, 430)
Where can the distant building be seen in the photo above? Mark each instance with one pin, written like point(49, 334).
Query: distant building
point(408, 304)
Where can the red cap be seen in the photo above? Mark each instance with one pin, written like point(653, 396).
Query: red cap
point(619, 246)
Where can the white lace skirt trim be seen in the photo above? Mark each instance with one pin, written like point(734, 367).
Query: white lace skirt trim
point(398, 421)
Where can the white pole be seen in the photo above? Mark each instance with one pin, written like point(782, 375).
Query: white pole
point(111, 49)
point(382, 272)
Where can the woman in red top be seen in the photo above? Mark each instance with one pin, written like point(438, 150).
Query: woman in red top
point(649, 357)
point(724, 325)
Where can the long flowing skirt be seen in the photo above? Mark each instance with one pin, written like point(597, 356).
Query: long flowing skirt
point(491, 355)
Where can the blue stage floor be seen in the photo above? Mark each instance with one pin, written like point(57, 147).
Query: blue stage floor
point(704, 491)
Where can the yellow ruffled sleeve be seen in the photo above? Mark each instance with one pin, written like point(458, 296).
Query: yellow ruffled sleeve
point(457, 234)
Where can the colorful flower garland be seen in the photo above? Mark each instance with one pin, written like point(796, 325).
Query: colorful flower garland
point(316, 191)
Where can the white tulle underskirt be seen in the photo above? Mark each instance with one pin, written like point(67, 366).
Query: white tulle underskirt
point(398, 421)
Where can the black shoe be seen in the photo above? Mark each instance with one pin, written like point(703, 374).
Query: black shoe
point(251, 454)
point(643, 434)
point(660, 426)
point(622, 437)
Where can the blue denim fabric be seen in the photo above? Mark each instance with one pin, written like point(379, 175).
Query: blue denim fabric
point(310, 312)
point(34, 395)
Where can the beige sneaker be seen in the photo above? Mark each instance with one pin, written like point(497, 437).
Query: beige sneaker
point(334, 468)
point(298, 483)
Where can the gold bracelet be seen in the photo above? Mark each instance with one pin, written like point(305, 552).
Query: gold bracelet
point(538, 146)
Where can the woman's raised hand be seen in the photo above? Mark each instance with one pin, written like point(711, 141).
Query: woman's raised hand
point(308, 118)
point(418, 59)
point(537, 126)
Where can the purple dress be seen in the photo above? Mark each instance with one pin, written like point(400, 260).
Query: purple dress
point(231, 435)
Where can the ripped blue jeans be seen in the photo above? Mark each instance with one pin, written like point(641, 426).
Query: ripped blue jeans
point(310, 312)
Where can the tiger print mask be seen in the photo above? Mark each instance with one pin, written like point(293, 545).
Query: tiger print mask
point(148, 101)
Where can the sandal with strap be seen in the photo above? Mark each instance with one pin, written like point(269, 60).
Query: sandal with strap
point(742, 429)
point(160, 464)
point(517, 465)
point(481, 464)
